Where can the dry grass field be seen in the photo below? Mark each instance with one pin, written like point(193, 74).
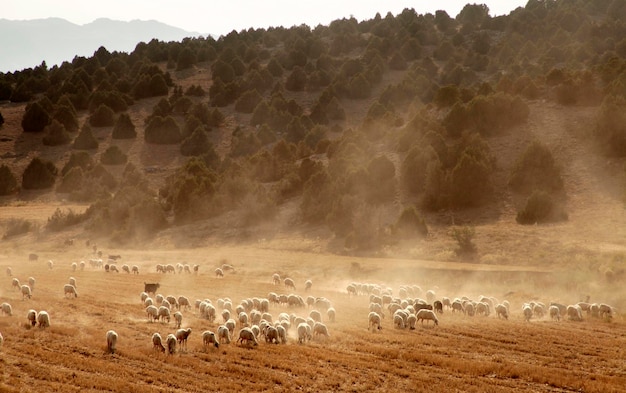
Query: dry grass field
point(462, 354)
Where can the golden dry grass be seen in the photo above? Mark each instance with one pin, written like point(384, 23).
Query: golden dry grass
point(461, 354)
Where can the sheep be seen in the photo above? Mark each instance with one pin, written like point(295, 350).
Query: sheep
point(374, 320)
point(501, 311)
point(26, 292)
point(6, 309)
point(178, 317)
point(271, 335)
point(282, 333)
point(181, 336)
point(31, 283)
point(69, 289)
point(223, 334)
point(315, 315)
point(183, 302)
point(32, 317)
point(319, 329)
point(574, 313)
point(9, 271)
point(72, 281)
point(605, 311)
point(539, 310)
point(304, 332)
point(219, 273)
point(74, 266)
point(289, 283)
point(153, 313)
point(157, 342)
point(195, 269)
point(81, 265)
point(173, 301)
point(246, 335)
point(562, 308)
point(143, 296)
point(331, 314)
point(411, 321)
point(482, 308)
point(438, 306)
point(50, 264)
point(113, 268)
point(1, 340)
point(126, 268)
point(208, 337)
point(135, 269)
point(276, 279)
point(527, 310)
point(457, 306)
point(428, 315)
point(164, 313)
point(307, 285)
point(111, 341)
point(555, 313)
point(398, 321)
point(43, 318)
point(170, 342)
point(15, 283)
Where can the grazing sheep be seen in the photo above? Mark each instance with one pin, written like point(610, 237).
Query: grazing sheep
point(6, 309)
point(555, 313)
point(246, 336)
point(307, 285)
point(113, 268)
point(31, 283)
point(9, 272)
point(126, 268)
point(72, 281)
point(605, 311)
point(32, 317)
point(195, 269)
point(539, 310)
point(181, 336)
point(153, 313)
point(50, 264)
point(208, 337)
point(74, 266)
point(282, 333)
point(135, 269)
point(157, 342)
point(411, 321)
point(304, 332)
point(428, 315)
point(528, 312)
point(219, 272)
point(315, 315)
point(164, 313)
point(374, 320)
point(143, 296)
point(183, 302)
point(276, 279)
point(81, 265)
point(43, 318)
point(15, 283)
point(502, 311)
point(26, 292)
point(331, 314)
point(457, 306)
point(290, 284)
point(111, 341)
point(482, 308)
point(574, 313)
point(170, 342)
point(271, 335)
point(319, 329)
point(398, 321)
point(438, 306)
point(69, 289)
point(562, 308)
point(178, 317)
point(223, 334)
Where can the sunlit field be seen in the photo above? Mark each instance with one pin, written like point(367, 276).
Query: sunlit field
point(462, 353)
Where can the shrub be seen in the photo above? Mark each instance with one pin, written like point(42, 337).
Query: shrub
point(410, 223)
point(297, 80)
point(113, 156)
point(124, 128)
point(163, 131)
point(80, 159)
point(196, 144)
point(381, 177)
point(610, 128)
point(8, 181)
point(66, 116)
point(535, 169)
point(56, 134)
point(470, 181)
point(39, 174)
point(17, 227)
point(103, 116)
point(85, 139)
point(186, 59)
point(63, 219)
point(248, 101)
point(464, 237)
point(540, 208)
point(71, 181)
point(36, 118)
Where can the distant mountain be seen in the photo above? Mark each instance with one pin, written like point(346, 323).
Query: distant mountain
point(26, 43)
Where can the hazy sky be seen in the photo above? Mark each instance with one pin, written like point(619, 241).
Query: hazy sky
point(222, 16)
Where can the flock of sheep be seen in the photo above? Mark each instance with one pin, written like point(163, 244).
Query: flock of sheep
point(250, 321)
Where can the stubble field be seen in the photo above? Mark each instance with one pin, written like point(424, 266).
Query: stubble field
point(464, 354)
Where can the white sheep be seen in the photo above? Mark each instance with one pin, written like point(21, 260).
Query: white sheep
point(31, 283)
point(69, 289)
point(43, 318)
point(82, 265)
point(126, 268)
point(72, 281)
point(307, 285)
point(502, 311)
point(74, 266)
point(276, 279)
point(143, 296)
point(181, 336)
point(411, 321)
point(289, 283)
point(157, 342)
point(605, 311)
point(6, 309)
point(574, 313)
point(26, 292)
point(111, 340)
point(135, 269)
point(315, 315)
point(153, 313)
point(50, 264)
point(304, 332)
point(246, 336)
point(398, 321)
point(223, 334)
point(170, 341)
point(183, 302)
point(428, 315)
point(163, 314)
point(219, 273)
point(208, 338)
point(528, 312)
point(32, 317)
point(282, 333)
point(331, 314)
point(319, 329)
point(15, 283)
point(178, 317)
point(554, 312)
point(374, 320)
